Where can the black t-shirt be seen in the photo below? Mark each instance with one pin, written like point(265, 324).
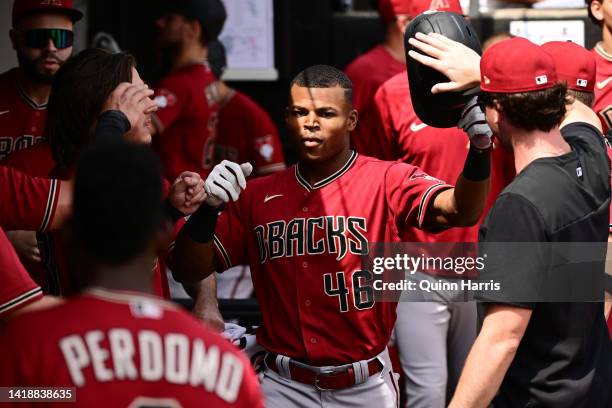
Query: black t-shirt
point(565, 356)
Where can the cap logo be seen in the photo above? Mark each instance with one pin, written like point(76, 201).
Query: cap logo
point(439, 4)
point(486, 80)
point(581, 82)
point(57, 3)
point(541, 80)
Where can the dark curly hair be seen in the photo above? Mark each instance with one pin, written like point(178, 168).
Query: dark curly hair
point(535, 110)
point(78, 93)
point(324, 76)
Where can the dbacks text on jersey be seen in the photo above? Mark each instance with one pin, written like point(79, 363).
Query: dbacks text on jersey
point(312, 236)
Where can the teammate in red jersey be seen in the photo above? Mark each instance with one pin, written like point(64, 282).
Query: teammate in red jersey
point(42, 37)
point(117, 344)
point(600, 12)
point(117, 86)
point(373, 68)
point(303, 232)
point(186, 121)
point(245, 132)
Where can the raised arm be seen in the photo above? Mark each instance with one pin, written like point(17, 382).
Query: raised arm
point(464, 204)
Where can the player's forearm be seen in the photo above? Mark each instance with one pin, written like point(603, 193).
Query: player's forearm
point(194, 258)
point(191, 261)
point(470, 199)
point(484, 371)
point(206, 307)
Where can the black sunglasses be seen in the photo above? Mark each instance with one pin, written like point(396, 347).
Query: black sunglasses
point(39, 38)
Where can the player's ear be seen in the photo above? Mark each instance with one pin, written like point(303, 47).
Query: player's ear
point(597, 10)
point(353, 118)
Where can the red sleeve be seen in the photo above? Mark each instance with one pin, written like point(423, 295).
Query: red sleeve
point(230, 237)
point(27, 203)
point(17, 288)
point(409, 192)
point(171, 96)
point(267, 152)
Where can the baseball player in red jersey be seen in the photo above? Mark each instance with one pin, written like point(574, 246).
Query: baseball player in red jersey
point(68, 132)
point(371, 69)
point(303, 232)
point(186, 121)
point(42, 37)
point(245, 132)
point(115, 343)
point(384, 61)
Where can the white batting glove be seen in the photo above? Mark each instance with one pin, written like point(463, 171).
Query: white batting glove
point(473, 123)
point(225, 182)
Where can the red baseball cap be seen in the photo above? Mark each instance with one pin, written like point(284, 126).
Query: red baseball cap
point(22, 8)
point(575, 64)
point(516, 65)
point(389, 9)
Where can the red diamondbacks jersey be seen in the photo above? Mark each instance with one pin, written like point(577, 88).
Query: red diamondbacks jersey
point(245, 133)
point(304, 243)
point(17, 289)
point(22, 121)
point(122, 349)
point(603, 87)
point(188, 114)
point(26, 203)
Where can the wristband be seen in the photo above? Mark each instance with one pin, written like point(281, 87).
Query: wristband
point(111, 126)
point(477, 165)
point(201, 225)
point(171, 212)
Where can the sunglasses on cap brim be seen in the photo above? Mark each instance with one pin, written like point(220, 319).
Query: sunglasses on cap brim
point(39, 38)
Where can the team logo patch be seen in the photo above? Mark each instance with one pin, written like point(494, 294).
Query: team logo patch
point(439, 5)
point(165, 99)
point(146, 308)
point(541, 80)
point(581, 82)
point(424, 176)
